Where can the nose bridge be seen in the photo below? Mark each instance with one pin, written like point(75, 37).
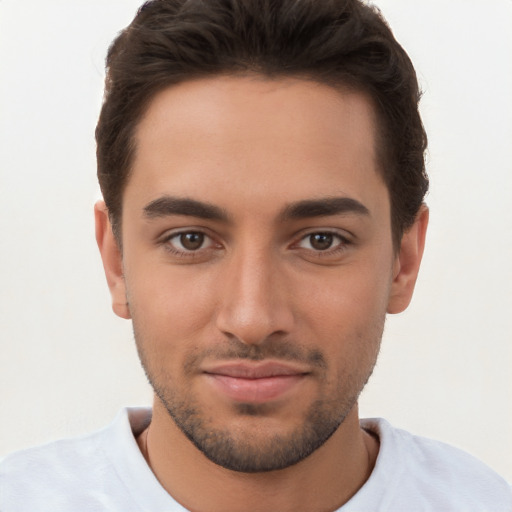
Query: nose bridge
point(254, 300)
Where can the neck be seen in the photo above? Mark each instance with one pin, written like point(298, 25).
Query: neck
point(324, 481)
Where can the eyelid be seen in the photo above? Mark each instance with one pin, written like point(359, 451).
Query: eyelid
point(166, 238)
point(332, 254)
point(172, 232)
point(342, 234)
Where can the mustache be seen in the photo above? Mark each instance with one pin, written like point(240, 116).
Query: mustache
point(268, 349)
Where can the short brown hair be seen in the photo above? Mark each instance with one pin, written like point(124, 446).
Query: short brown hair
point(335, 42)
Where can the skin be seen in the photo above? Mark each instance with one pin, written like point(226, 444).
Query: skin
point(266, 282)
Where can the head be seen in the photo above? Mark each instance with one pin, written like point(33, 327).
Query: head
point(262, 168)
point(340, 43)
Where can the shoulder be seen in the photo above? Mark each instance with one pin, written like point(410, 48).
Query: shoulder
point(68, 474)
point(445, 475)
point(35, 478)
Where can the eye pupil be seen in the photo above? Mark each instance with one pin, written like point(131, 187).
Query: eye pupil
point(321, 241)
point(192, 241)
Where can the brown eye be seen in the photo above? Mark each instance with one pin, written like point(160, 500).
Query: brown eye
point(321, 241)
point(192, 246)
point(324, 242)
point(191, 241)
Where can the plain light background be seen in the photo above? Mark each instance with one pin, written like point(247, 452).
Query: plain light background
point(67, 364)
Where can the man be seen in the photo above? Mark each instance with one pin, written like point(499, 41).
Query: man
point(263, 179)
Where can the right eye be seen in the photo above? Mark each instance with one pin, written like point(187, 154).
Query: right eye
point(188, 242)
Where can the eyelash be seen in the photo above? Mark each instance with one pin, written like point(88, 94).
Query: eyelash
point(166, 242)
point(339, 247)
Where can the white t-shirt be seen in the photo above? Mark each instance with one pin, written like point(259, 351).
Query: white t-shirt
point(105, 471)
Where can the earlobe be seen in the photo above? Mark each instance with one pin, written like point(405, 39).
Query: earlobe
point(112, 260)
point(407, 263)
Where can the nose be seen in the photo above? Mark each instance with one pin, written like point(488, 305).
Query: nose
point(255, 303)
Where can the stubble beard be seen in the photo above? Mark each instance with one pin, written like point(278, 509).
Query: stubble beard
point(239, 452)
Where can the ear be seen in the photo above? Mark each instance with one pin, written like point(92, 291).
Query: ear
point(112, 260)
point(407, 263)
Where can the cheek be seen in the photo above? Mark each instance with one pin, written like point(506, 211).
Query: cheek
point(346, 314)
point(169, 304)
point(347, 296)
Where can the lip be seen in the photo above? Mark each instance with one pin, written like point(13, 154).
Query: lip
point(254, 382)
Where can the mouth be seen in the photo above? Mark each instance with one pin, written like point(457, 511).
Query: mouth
point(261, 382)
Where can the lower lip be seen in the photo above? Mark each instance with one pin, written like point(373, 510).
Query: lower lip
point(255, 390)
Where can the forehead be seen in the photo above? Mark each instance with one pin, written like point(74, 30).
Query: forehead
point(249, 140)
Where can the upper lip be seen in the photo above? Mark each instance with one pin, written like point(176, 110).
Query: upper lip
point(258, 370)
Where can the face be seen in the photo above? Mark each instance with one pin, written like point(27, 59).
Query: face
point(257, 263)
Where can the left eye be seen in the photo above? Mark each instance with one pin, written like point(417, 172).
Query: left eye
point(189, 241)
point(321, 241)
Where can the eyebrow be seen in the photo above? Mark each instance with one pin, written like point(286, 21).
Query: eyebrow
point(168, 205)
point(324, 207)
